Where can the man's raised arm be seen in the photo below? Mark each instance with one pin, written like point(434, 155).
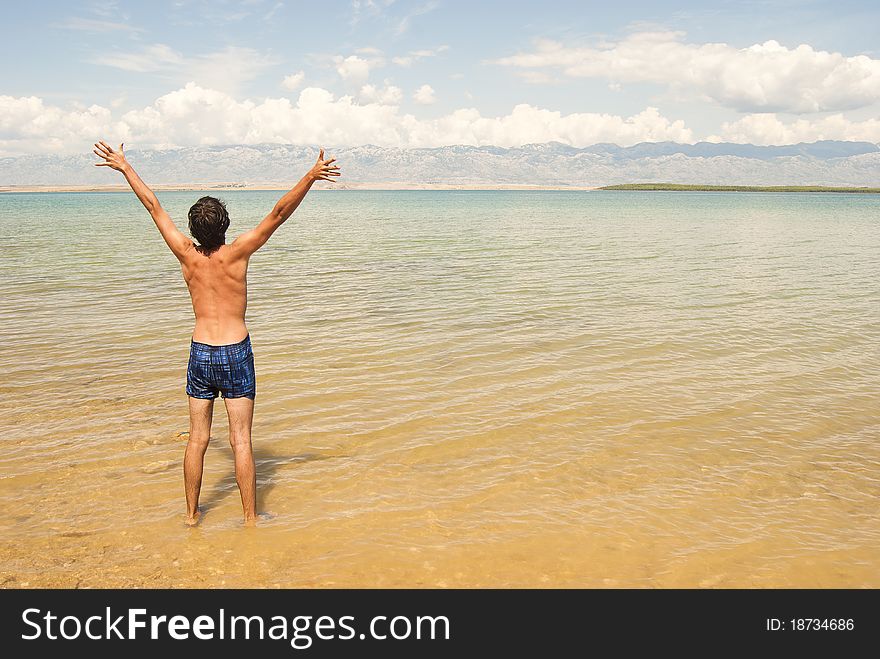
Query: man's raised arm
point(250, 241)
point(173, 236)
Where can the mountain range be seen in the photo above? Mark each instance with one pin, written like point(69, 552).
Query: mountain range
point(549, 164)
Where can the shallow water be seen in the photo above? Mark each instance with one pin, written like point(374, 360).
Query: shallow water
point(455, 389)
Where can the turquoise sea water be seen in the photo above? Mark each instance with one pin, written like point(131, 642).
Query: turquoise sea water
point(458, 388)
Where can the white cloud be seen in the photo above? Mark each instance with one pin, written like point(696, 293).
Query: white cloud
point(537, 77)
point(354, 69)
point(229, 68)
point(293, 81)
point(768, 129)
point(527, 124)
point(424, 95)
point(27, 125)
point(94, 25)
point(427, 52)
point(404, 23)
point(269, 14)
point(765, 77)
point(195, 115)
point(387, 95)
point(368, 7)
point(415, 55)
point(225, 69)
point(156, 57)
point(106, 8)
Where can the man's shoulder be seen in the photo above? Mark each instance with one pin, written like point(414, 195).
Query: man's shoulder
point(227, 254)
point(188, 251)
point(236, 251)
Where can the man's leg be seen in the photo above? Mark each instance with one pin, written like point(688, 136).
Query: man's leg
point(201, 412)
point(241, 416)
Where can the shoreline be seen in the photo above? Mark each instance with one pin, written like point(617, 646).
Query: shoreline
point(226, 187)
point(390, 187)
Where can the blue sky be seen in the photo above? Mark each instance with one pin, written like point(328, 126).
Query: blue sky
point(432, 72)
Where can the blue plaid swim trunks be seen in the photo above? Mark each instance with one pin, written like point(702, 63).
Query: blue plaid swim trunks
point(226, 369)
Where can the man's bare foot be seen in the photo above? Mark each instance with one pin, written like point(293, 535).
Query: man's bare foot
point(261, 517)
point(194, 520)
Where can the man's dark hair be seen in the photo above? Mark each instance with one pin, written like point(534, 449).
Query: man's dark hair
point(208, 221)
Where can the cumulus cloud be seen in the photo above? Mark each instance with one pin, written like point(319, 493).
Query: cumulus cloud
point(424, 95)
point(293, 81)
point(768, 129)
point(387, 95)
point(354, 69)
point(28, 125)
point(767, 77)
point(196, 115)
point(527, 124)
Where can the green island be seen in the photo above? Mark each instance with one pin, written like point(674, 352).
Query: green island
point(681, 187)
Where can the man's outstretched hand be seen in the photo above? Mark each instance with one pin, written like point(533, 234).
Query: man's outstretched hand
point(324, 170)
point(114, 159)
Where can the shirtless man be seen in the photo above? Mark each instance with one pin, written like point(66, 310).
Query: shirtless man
point(221, 359)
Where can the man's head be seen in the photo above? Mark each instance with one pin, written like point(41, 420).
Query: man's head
point(208, 221)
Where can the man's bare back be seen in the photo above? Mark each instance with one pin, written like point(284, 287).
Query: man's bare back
point(217, 284)
point(221, 359)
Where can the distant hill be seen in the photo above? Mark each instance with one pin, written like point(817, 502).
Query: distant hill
point(550, 164)
point(823, 150)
